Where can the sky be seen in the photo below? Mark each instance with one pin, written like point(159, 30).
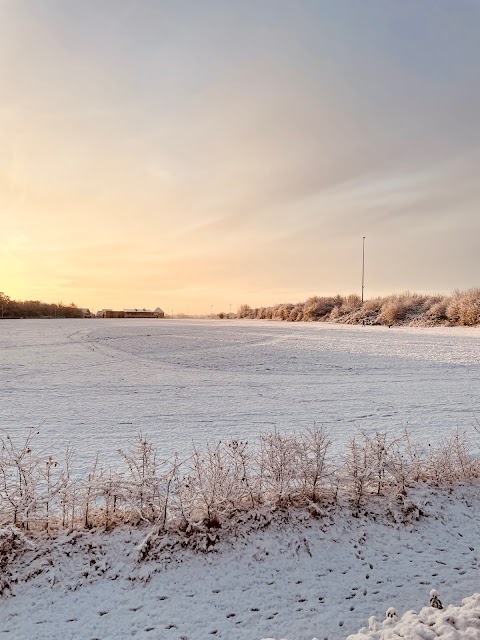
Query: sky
point(186, 154)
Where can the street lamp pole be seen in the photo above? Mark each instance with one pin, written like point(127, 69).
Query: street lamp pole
point(363, 266)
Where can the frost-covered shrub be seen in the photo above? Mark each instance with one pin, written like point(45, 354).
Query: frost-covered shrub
point(244, 311)
point(351, 303)
point(359, 470)
point(211, 484)
point(438, 310)
point(450, 461)
point(461, 308)
point(372, 306)
point(397, 308)
point(292, 316)
point(315, 465)
point(278, 461)
point(464, 308)
point(316, 307)
point(392, 312)
point(335, 313)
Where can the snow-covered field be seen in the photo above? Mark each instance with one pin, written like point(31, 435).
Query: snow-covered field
point(309, 577)
point(96, 383)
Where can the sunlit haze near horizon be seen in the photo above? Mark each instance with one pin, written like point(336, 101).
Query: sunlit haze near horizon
point(188, 154)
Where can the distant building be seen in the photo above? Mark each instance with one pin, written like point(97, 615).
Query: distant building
point(131, 313)
point(144, 313)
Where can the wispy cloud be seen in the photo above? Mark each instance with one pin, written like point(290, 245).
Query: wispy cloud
point(221, 147)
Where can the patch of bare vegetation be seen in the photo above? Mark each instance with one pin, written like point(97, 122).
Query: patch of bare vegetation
point(223, 485)
point(460, 308)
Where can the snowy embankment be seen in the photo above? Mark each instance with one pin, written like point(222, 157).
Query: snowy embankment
point(296, 574)
point(452, 623)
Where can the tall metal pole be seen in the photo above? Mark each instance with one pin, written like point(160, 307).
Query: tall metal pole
point(363, 266)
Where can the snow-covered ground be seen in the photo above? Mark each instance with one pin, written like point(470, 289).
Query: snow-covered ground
point(95, 383)
point(308, 577)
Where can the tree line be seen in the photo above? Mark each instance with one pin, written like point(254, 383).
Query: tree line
point(36, 309)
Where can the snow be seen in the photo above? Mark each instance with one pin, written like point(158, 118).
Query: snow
point(95, 383)
point(294, 576)
point(452, 623)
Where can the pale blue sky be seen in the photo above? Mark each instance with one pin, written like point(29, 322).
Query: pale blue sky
point(224, 152)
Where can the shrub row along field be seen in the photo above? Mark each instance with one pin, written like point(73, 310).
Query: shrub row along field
point(459, 308)
point(204, 490)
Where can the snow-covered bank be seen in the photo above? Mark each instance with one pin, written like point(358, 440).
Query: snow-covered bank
point(451, 623)
point(299, 576)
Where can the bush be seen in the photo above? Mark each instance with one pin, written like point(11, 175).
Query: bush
point(464, 308)
point(213, 484)
point(461, 308)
